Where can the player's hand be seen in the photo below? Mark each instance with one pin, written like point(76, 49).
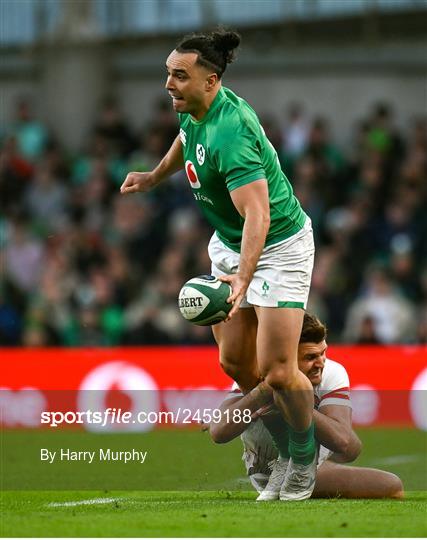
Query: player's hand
point(239, 287)
point(265, 410)
point(264, 390)
point(138, 182)
point(263, 394)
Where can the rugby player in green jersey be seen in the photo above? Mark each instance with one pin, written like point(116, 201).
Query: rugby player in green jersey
point(262, 245)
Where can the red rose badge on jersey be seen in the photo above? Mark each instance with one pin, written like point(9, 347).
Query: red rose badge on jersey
point(190, 169)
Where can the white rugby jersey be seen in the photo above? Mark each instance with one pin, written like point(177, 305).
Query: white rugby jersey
point(334, 388)
point(259, 449)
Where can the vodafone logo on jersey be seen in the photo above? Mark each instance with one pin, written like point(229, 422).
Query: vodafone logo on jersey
point(190, 169)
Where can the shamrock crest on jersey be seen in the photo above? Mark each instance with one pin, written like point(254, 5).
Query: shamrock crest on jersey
point(191, 172)
point(265, 288)
point(200, 154)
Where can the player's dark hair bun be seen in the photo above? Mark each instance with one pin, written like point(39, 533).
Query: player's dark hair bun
point(215, 49)
point(226, 42)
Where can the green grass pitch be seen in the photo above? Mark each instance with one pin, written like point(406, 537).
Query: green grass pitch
point(220, 503)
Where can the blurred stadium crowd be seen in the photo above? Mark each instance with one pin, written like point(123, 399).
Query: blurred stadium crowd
point(82, 265)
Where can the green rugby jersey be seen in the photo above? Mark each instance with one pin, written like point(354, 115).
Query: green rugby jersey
point(227, 149)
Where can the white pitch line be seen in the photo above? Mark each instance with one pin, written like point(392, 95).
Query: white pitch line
point(399, 460)
point(105, 500)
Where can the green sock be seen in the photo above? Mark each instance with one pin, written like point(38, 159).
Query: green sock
point(302, 445)
point(278, 430)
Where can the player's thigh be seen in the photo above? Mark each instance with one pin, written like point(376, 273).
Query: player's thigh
point(237, 337)
point(279, 331)
point(279, 290)
point(335, 480)
point(237, 340)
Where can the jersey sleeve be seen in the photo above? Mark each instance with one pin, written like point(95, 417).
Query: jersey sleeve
point(335, 387)
point(238, 155)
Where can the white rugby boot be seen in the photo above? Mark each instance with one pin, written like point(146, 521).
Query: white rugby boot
point(271, 492)
point(299, 481)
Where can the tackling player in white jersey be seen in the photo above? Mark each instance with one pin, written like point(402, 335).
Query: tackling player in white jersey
point(333, 430)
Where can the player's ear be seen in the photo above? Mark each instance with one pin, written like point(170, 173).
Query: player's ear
point(211, 81)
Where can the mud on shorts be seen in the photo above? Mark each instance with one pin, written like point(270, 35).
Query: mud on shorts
point(283, 273)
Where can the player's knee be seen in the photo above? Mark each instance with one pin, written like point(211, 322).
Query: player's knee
point(232, 368)
point(389, 486)
point(280, 377)
point(229, 363)
point(395, 489)
point(228, 368)
point(245, 378)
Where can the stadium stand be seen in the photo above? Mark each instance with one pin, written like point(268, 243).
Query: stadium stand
point(82, 265)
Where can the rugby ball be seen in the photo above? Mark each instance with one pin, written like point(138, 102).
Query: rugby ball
point(203, 300)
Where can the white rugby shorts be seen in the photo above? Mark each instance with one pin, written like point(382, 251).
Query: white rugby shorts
point(283, 273)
